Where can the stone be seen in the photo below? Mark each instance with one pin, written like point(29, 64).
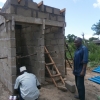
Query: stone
point(63, 88)
point(70, 86)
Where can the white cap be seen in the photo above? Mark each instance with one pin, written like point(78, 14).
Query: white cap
point(23, 68)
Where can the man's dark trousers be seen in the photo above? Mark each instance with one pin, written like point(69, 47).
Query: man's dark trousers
point(80, 86)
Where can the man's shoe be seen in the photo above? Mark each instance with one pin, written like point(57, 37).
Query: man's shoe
point(76, 96)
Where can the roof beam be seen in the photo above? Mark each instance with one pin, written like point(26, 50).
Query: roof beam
point(32, 20)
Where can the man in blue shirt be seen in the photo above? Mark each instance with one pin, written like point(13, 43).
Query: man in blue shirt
point(80, 63)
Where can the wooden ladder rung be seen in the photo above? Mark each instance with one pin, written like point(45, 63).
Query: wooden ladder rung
point(49, 64)
point(47, 53)
point(56, 75)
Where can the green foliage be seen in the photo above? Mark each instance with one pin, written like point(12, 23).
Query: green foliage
point(93, 38)
point(96, 28)
point(94, 53)
point(71, 37)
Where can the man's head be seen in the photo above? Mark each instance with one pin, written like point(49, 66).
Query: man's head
point(23, 69)
point(78, 42)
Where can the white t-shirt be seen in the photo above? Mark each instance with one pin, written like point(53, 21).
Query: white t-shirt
point(28, 86)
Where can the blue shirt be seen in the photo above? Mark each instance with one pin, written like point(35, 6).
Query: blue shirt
point(80, 58)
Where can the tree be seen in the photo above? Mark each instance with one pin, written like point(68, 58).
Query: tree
point(71, 37)
point(93, 38)
point(96, 28)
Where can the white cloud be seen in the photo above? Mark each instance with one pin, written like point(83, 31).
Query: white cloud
point(3, 1)
point(97, 4)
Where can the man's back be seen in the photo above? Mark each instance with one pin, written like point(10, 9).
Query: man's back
point(28, 86)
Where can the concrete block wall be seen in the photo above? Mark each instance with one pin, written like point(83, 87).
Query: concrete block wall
point(54, 41)
point(30, 40)
point(29, 8)
point(7, 49)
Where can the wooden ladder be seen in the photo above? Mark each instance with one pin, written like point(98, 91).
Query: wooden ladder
point(58, 74)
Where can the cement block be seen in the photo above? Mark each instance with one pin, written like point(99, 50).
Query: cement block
point(15, 2)
point(34, 13)
point(53, 17)
point(47, 31)
point(41, 41)
point(33, 5)
point(57, 11)
point(24, 12)
point(11, 34)
point(10, 87)
point(49, 9)
point(43, 15)
point(11, 43)
point(54, 42)
point(70, 86)
point(12, 10)
point(11, 52)
point(61, 18)
point(63, 88)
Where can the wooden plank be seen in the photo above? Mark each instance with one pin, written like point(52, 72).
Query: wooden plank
point(19, 1)
point(51, 76)
point(41, 3)
point(62, 10)
point(58, 73)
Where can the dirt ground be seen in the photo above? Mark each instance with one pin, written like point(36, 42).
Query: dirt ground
point(50, 92)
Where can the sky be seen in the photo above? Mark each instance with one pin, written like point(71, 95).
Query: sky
point(80, 15)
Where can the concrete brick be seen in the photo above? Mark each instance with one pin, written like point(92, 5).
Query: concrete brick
point(42, 73)
point(41, 41)
point(47, 31)
point(34, 14)
point(15, 2)
point(41, 8)
point(11, 34)
point(11, 43)
point(61, 41)
point(10, 87)
point(70, 86)
point(53, 17)
point(13, 71)
point(11, 52)
point(49, 9)
point(63, 88)
point(54, 42)
point(12, 9)
point(57, 11)
point(33, 5)
point(43, 15)
point(61, 18)
point(24, 12)
point(54, 29)
point(8, 10)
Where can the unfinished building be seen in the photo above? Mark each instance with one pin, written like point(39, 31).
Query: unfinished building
point(25, 29)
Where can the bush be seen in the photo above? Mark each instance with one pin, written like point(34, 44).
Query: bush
point(94, 53)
